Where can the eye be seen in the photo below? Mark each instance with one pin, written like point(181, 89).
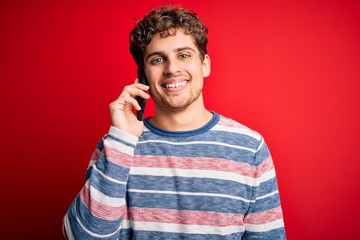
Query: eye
point(184, 55)
point(157, 60)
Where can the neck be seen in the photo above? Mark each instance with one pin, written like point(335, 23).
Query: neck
point(193, 117)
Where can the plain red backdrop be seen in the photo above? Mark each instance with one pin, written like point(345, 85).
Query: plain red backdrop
point(288, 69)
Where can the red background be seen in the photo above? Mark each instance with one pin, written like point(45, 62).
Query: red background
point(288, 69)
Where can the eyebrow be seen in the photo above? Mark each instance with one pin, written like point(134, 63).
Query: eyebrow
point(162, 52)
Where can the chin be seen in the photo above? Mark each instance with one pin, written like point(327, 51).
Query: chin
point(176, 108)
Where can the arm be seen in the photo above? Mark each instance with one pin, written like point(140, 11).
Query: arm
point(97, 211)
point(264, 219)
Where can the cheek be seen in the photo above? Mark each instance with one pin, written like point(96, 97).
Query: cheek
point(154, 80)
point(196, 71)
point(154, 74)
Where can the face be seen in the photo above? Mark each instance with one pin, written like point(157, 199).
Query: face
point(175, 71)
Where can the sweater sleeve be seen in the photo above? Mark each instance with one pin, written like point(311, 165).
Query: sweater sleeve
point(264, 219)
point(98, 209)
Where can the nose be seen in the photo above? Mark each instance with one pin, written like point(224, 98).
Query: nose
point(171, 67)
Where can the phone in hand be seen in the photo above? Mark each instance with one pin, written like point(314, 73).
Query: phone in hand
point(142, 102)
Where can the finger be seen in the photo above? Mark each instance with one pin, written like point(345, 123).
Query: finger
point(132, 103)
point(133, 88)
point(143, 95)
point(136, 91)
point(123, 104)
point(118, 104)
point(141, 86)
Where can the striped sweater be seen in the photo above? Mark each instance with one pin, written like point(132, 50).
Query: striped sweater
point(216, 182)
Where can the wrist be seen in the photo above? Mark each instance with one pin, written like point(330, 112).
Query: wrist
point(123, 135)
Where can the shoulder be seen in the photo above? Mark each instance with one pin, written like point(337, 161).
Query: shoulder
point(229, 125)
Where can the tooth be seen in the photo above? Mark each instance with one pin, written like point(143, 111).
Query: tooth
point(175, 85)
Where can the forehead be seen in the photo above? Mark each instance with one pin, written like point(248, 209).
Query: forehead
point(170, 43)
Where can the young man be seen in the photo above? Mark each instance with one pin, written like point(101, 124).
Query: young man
point(186, 173)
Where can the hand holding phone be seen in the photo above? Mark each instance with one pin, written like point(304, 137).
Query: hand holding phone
point(142, 102)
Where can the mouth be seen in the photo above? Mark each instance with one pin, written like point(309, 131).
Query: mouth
point(175, 85)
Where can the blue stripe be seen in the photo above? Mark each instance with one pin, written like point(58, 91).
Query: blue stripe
point(181, 134)
point(128, 234)
point(88, 174)
point(233, 138)
point(215, 136)
point(195, 150)
point(267, 187)
point(184, 202)
point(262, 154)
point(100, 145)
point(265, 204)
point(120, 140)
point(277, 234)
point(106, 186)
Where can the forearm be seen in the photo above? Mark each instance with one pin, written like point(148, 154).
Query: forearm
point(264, 219)
point(98, 209)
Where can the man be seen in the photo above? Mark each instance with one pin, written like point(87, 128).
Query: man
point(186, 173)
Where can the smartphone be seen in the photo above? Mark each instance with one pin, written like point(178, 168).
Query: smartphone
point(142, 102)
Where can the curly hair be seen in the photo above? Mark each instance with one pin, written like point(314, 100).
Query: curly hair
point(161, 20)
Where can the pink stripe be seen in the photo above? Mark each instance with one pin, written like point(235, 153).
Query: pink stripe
point(264, 167)
point(100, 210)
point(215, 164)
point(118, 157)
point(264, 217)
point(184, 217)
point(96, 155)
point(231, 123)
point(194, 163)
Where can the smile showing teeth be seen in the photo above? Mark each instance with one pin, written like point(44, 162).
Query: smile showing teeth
point(176, 85)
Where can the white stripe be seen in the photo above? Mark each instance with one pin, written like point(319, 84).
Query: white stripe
point(265, 227)
point(182, 228)
point(260, 145)
point(104, 199)
point(203, 194)
point(191, 173)
point(190, 194)
point(111, 143)
point(67, 228)
point(199, 142)
point(127, 137)
point(91, 163)
point(267, 176)
point(92, 233)
point(244, 131)
point(267, 195)
point(107, 177)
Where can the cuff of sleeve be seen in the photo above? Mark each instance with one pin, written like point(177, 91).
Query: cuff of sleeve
point(124, 136)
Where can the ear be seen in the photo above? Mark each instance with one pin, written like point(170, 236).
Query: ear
point(206, 66)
